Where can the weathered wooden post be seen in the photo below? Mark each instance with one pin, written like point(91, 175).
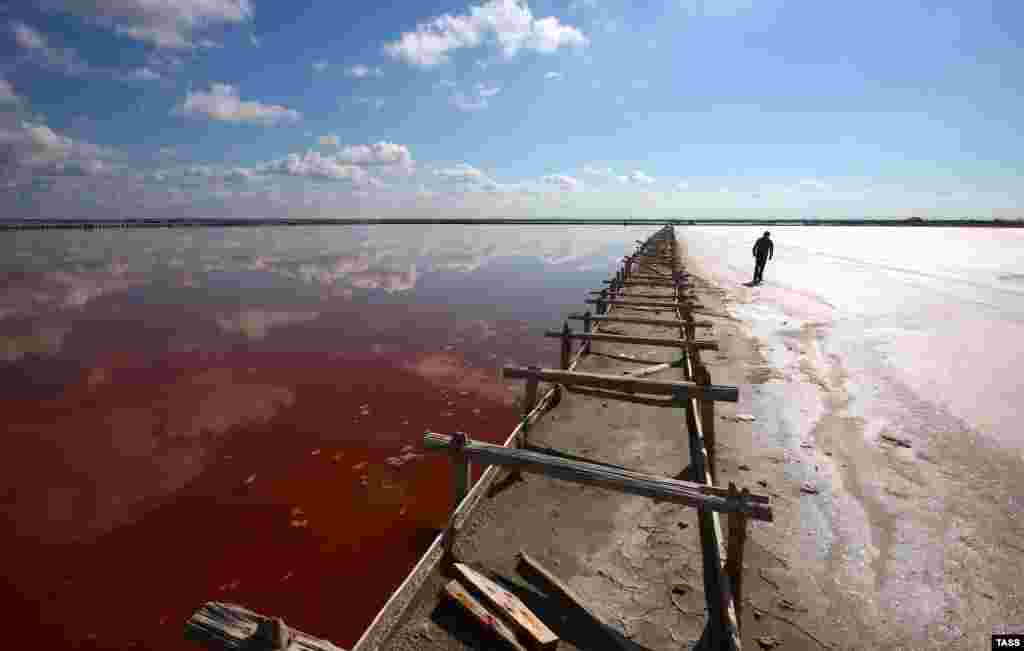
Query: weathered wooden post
point(460, 468)
point(586, 329)
point(734, 552)
point(461, 479)
point(529, 402)
point(602, 302)
point(566, 347)
point(702, 377)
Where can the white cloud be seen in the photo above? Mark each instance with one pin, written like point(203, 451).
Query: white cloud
point(461, 172)
point(222, 103)
point(313, 164)
point(378, 154)
point(552, 75)
point(36, 148)
point(163, 23)
point(67, 60)
point(329, 140)
point(7, 93)
point(320, 66)
point(509, 24)
point(682, 186)
point(639, 177)
point(359, 71)
point(465, 102)
point(564, 182)
point(445, 83)
point(487, 91)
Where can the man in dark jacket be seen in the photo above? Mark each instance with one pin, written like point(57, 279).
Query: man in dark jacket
point(763, 251)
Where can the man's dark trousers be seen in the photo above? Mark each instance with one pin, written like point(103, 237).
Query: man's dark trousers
point(759, 267)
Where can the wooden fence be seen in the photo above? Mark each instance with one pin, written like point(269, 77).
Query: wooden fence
point(655, 263)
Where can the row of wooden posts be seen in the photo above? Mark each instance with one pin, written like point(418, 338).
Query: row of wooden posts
point(655, 263)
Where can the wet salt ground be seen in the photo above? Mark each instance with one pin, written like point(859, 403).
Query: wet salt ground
point(922, 538)
point(177, 435)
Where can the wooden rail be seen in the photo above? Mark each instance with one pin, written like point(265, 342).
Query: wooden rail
point(682, 390)
point(672, 323)
point(700, 344)
point(595, 474)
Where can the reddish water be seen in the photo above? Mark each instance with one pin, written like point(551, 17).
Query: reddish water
point(173, 438)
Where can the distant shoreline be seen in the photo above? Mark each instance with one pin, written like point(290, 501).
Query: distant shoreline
point(75, 224)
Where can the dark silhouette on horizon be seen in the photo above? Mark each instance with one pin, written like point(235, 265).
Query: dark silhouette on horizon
point(764, 249)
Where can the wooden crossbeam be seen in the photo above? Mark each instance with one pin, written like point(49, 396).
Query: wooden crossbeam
point(699, 344)
point(662, 304)
point(684, 296)
point(679, 390)
point(594, 474)
point(671, 323)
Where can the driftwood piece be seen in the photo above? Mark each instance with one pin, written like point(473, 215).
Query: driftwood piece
point(539, 636)
point(218, 625)
point(482, 615)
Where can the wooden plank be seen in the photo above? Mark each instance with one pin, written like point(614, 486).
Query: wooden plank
point(671, 323)
point(484, 617)
point(593, 474)
point(700, 344)
point(539, 636)
point(219, 625)
point(604, 394)
point(679, 390)
point(619, 294)
point(531, 568)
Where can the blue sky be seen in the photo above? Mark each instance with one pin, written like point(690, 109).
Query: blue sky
point(506, 108)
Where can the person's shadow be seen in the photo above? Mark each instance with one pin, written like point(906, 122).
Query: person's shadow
point(752, 283)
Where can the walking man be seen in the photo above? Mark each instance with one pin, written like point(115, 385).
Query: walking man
point(763, 251)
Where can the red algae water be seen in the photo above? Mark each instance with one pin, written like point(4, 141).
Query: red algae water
point(238, 415)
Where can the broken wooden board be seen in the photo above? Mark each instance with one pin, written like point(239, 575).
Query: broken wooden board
point(480, 613)
point(219, 625)
point(538, 634)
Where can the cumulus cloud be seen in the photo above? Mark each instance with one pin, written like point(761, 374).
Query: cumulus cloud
point(640, 178)
point(553, 75)
point(7, 94)
point(329, 140)
point(359, 71)
point(461, 172)
point(313, 164)
point(222, 103)
point(508, 24)
point(379, 153)
point(35, 148)
point(163, 23)
point(564, 182)
point(67, 60)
